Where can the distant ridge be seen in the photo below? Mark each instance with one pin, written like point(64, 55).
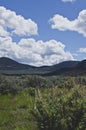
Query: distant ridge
point(7, 63)
point(11, 67)
point(72, 68)
point(82, 65)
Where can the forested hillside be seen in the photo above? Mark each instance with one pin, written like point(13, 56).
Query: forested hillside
point(68, 68)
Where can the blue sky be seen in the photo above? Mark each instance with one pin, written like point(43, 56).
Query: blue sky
point(43, 32)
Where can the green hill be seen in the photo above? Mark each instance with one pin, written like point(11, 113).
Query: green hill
point(11, 67)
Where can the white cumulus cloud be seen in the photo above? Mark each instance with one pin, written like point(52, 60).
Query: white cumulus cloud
point(63, 23)
point(11, 23)
point(33, 52)
point(68, 0)
point(82, 50)
point(29, 51)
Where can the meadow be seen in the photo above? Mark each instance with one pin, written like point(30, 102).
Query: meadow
point(42, 103)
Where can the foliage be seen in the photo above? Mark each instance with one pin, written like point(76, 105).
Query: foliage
point(61, 111)
point(42, 103)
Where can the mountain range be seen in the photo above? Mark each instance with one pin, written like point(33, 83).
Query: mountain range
point(72, 68)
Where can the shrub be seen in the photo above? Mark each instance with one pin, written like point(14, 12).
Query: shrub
point(64, 112)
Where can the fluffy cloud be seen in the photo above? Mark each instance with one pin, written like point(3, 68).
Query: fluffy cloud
point(33, 52)
point(82, 50)
point(68, 0)
point(28, 50)
point(11, 23)
point(62, 23)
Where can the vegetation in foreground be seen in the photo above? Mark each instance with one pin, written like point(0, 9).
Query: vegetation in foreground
point(60, 106)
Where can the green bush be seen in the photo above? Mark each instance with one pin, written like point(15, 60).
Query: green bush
point(63, 112)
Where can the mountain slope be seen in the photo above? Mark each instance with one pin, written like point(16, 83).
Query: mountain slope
point(7, 63)
point(11, 67)
point(82, 65)
point(68, 69)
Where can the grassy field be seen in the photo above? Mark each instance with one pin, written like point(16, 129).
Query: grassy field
point(51, 108)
